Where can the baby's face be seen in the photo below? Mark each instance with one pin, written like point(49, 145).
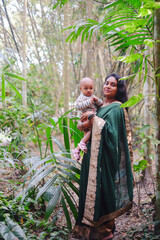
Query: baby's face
point(86, 87)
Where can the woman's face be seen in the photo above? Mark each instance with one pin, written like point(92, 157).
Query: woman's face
point(110, 88)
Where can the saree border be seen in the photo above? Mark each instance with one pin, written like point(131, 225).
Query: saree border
point(91, 188)
point(98, 124)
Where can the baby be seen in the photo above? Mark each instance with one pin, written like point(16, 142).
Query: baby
point(86, 102)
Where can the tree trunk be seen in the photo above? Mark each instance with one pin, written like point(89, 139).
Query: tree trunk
point(66, 60)
point(147, 118)
point(4, 31)
point(89, 44)
point(24, 84)
point(157, 78)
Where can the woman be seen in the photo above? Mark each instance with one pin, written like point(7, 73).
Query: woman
point(106, 182)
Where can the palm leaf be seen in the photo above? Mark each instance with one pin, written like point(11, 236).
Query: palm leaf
point(68, 197)
point(46, 186)
point(49, 138)
point(14, 88)
point(11, 230)
point(68, 219)
point(66, 135)
point(14, 76)
point(3, 88)
point(53, 202)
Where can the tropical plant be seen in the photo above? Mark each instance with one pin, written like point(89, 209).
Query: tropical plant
point(128, 25)
point(6, 75)
point(11, 230)
point(54, 174)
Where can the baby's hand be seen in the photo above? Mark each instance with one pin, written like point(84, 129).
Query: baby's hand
point(95, 99)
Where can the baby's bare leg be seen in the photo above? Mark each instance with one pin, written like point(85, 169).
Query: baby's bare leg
point(86, 137)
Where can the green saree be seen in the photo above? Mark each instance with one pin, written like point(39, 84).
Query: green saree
point(106, 182)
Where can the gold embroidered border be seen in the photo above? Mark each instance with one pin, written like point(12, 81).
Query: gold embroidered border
point(113, 215)
point(109, 217)
point(98, 124)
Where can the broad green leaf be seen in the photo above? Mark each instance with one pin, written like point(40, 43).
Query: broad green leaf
point(49, 193)
point(55, 5)
point(70, 184)
point(49, 138)
point(3, 88)
point(38, 163)
point(69, 167)
point(6, 67)
point(149, 42)
point(128, 77)
point(14, 76)
point(52, 121)
point(41, 169)
point(141, 37)
point(69, 224)
point(53, 202)
point(71, 176)
point(111, 4)
point(14, 88)
point(144, 12)
point(68, 198)
point(157, 75)
point(66, 135)
point(61, 147)
point(152, 5)
point(130, 43)
point(42, 175)
point(133, 100)
point(131, 58)
point(11, 230)
point(140, 165)
point(75, 133)
point(65, 159)
point(46, 186)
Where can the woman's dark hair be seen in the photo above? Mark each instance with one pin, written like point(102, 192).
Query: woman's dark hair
point(121, 88)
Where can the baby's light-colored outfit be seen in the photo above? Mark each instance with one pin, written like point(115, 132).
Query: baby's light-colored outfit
point(84, 104)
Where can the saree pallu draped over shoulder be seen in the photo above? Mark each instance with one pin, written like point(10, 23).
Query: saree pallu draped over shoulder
point(106, 182)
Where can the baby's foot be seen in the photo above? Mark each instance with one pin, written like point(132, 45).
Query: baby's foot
point(76, 154)
point(82, 146)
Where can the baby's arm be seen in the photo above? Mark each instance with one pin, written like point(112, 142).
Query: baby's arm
point(81, 105)
point(98, 101)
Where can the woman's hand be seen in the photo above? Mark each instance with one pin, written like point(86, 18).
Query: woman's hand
point(84, 116)
point(84, 126)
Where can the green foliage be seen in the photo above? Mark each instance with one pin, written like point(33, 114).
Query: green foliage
point(60, 3)
point(133, 100)
point(26, 216)
point(141, 163)
point(59, 172)
point(50, 173)
point(53, 174)
point(5, 77)
point(128, 25)
point(11, 230)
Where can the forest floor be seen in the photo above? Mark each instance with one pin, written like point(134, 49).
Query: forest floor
point(135, 224)
point(138, 222)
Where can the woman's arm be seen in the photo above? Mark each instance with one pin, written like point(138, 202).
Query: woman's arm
point(86, 121)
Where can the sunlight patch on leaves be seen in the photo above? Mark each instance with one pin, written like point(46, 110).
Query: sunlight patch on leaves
point(133, 100)
point(131, 58)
